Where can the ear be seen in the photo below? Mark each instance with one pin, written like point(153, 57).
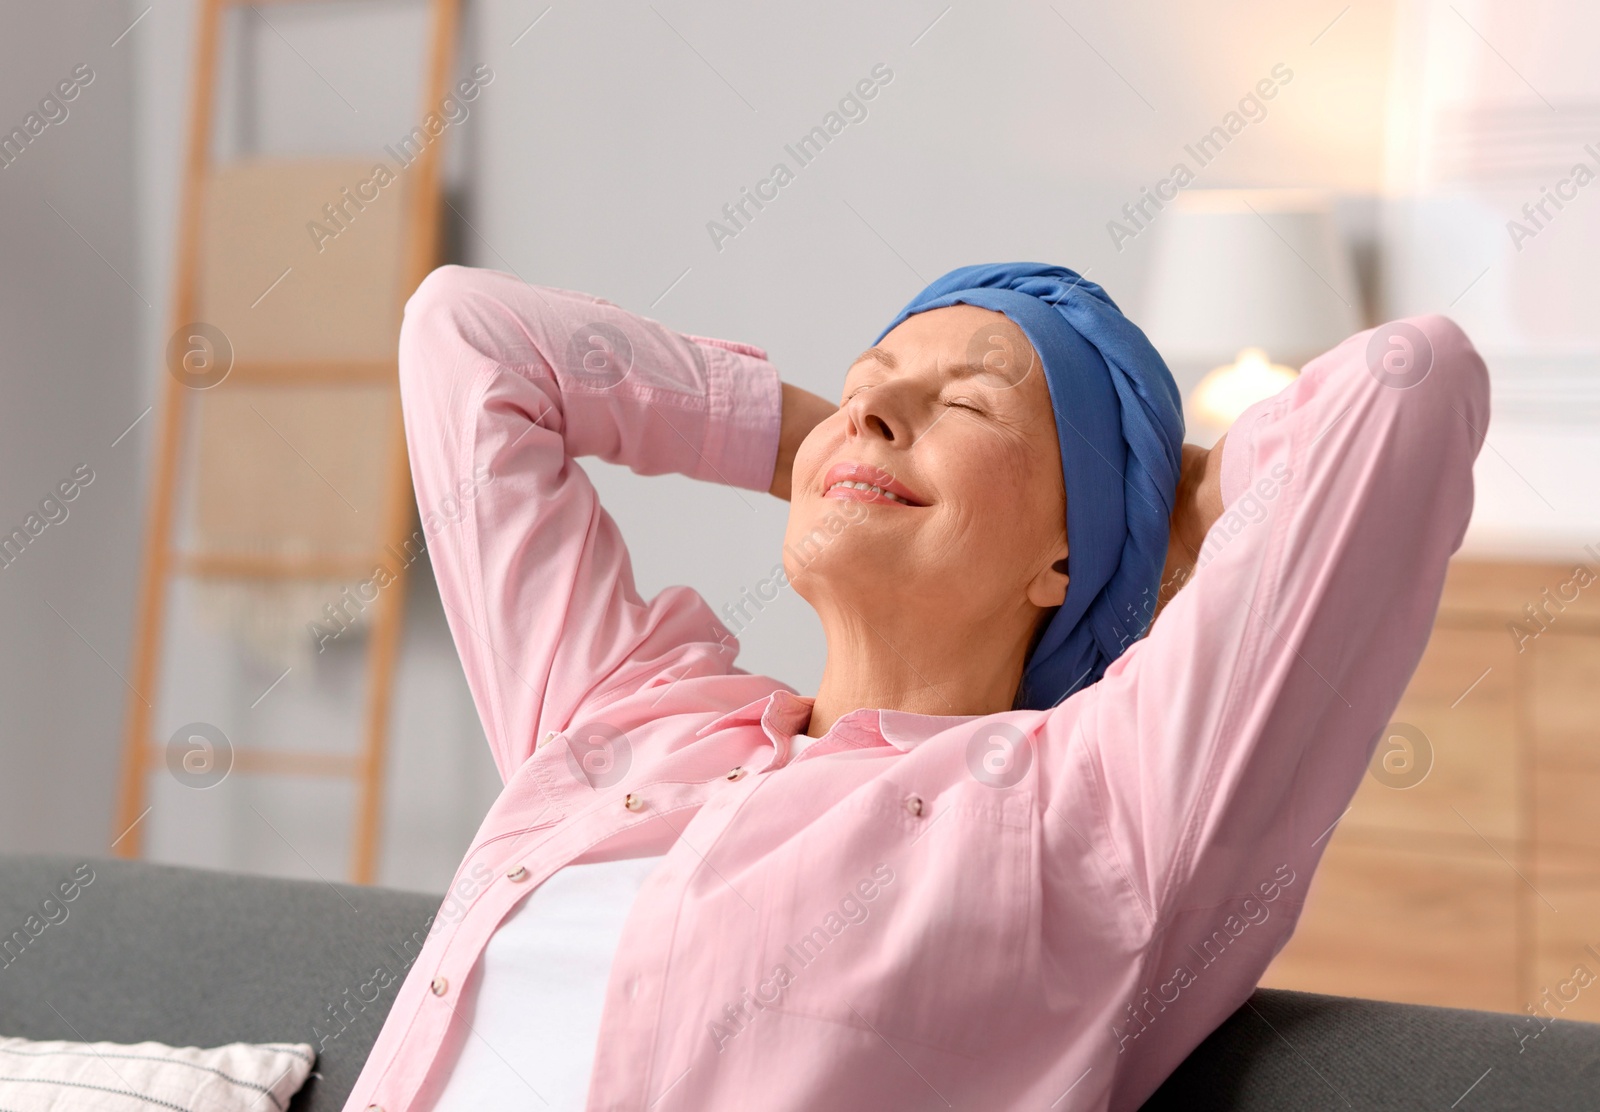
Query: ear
point(1049, 587)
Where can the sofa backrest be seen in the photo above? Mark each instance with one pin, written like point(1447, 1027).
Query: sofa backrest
point(195, 958)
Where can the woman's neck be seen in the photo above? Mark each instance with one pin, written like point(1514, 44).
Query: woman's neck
point(882, 665)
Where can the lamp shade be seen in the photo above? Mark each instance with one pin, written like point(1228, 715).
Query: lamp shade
point(1240, 268)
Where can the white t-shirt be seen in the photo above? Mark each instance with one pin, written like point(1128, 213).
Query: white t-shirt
point(532, 1005)
point(531, 1008)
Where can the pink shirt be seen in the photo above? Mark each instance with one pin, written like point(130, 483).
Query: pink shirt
point(1032, 909)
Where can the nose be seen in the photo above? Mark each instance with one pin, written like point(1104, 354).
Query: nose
point(872, 413)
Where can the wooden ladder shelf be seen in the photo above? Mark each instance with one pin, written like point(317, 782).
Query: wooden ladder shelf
point(321, 344)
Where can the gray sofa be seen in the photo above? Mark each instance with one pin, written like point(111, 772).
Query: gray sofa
point(188, 957)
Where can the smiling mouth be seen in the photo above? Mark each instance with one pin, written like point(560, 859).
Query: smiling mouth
point(867, 489)
point(863, 482)
point(859, 481)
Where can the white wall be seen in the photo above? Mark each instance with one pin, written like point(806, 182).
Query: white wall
point(72, 301)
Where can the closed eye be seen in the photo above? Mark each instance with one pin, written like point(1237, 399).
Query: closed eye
point(962, 403)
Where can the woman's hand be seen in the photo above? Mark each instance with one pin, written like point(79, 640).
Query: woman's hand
point(802, 412)
point(1195, 509)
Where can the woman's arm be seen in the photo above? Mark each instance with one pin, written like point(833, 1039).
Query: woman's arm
point(802, 412)
point(503, 385)
point(1232, 736)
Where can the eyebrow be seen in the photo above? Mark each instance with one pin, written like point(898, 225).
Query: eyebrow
point(884, 357)
point(958, 370)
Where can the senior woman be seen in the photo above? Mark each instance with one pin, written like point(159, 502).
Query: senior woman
point(1015, 852)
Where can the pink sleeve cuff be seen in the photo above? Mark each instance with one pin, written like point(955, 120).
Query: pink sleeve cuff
point(746, 414)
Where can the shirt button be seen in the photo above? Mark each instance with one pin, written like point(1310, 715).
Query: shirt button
point(633, 802)
point(440, 986)
point(736, 773)
point(914, 804)
point(519, 873)
point(374, 1108)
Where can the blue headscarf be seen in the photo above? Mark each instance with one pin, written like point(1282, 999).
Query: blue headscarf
point(1119, 421)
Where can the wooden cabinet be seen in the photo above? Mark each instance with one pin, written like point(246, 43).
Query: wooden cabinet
point(1467, 871)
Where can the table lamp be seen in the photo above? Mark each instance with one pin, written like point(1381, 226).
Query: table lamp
point(1247, 285)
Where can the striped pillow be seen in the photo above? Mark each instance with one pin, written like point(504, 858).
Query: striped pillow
point(113, 1077)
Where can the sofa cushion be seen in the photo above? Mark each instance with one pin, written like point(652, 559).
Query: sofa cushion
point(240, 1077)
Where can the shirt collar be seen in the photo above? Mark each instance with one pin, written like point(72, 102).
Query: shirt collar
point(776, 712)
point(786, 714)
point(905, 730)
point(750, 712)
point(782, 714)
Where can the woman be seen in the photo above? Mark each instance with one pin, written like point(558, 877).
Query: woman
point(1013, 854)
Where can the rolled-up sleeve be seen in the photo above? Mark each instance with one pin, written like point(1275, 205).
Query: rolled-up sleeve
point(503, 384)
point(1225, 744)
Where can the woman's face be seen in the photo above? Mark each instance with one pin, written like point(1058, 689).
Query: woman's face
point(949, 418)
